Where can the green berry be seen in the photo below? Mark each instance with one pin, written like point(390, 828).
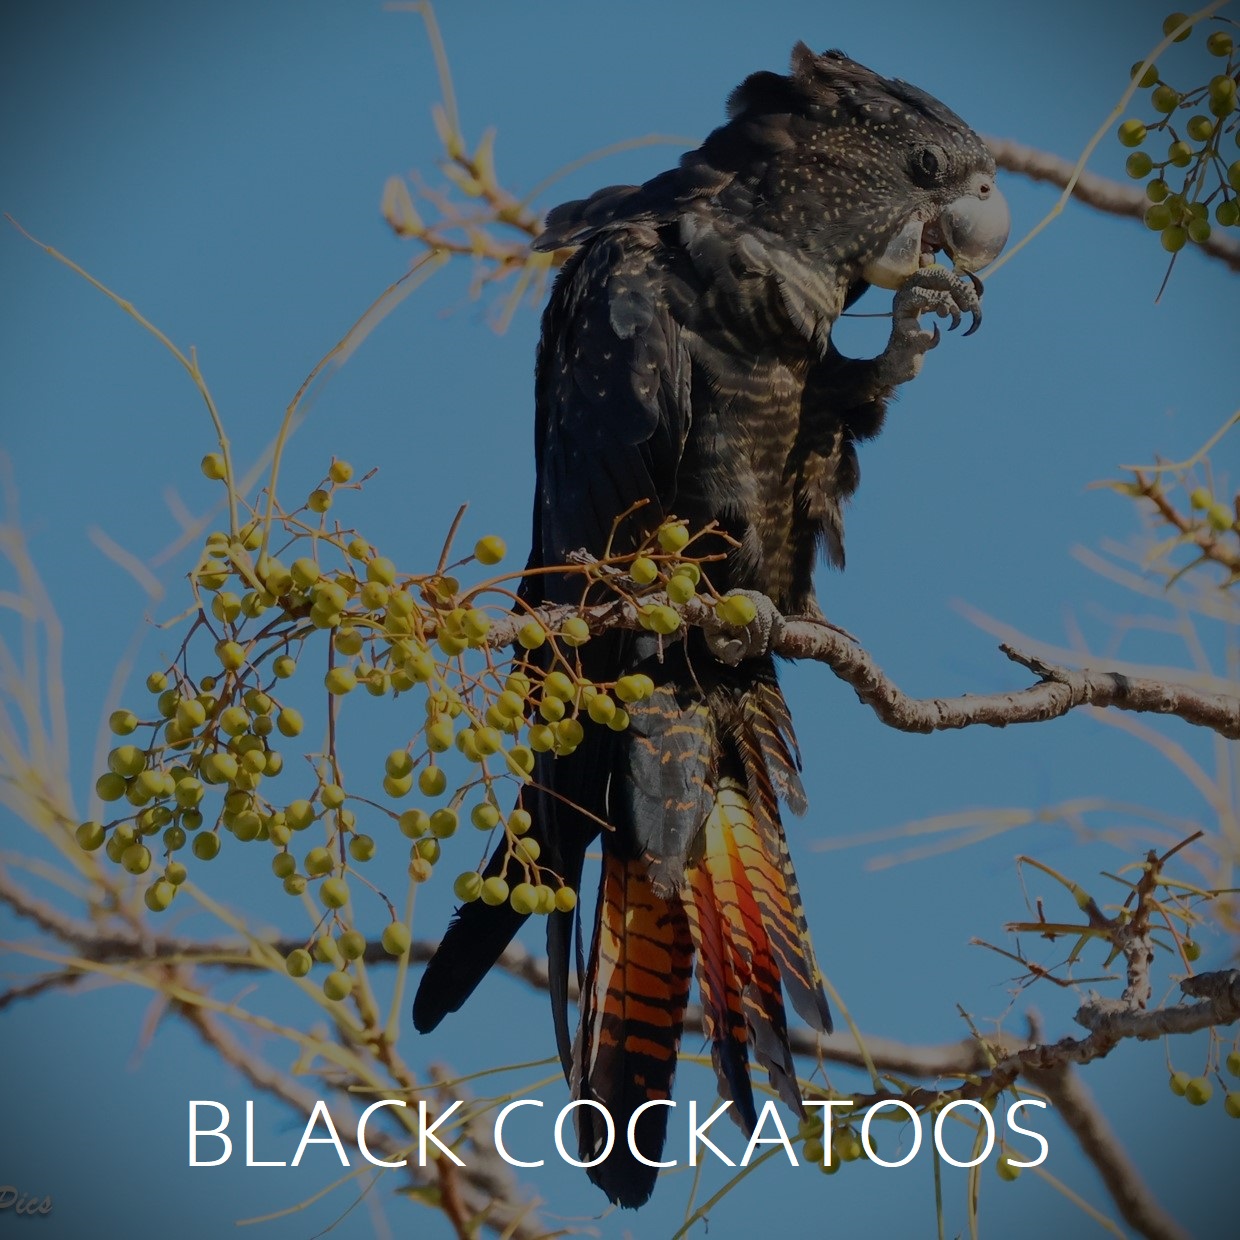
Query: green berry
point(494, 891)
point(334, 892)
point(468, 887)
point(601, 708)
point(122, 722)
point(213, 467)
point(295, 885)
point(414, 823)
point(90, 835)
point(1171, 21)
point(484, 816)
point(298, 962)
point(490, 550)
point(737, 609)
point(634, 688)
point(352, 944)
point(1007, 1170)
point(1174, 238)
point(284, 666)
point(110, 787)
point(318, 861)
point(337, 986)
point(319, 500)
point(565, 899)
point(396, 938)
point(531, 635)
point(523, 898)
point(1220, 517)
point(575, 631)
point(1227, 213)
point(643, 570)
point(399, 762)
point(381, 570)
point(159, 895)
point(283, 864)
point(443, 823)
point(1132, 133)
point(362, 848)
point(1219, 43)
point(340, 471)
point(1148, 78)
point(340, 680)
point(1231, 1103)
point(126, 760)
point(1179, 1083)
point(1233, 1063)
point(432, 781)
point(136, 858)
point(681, 587)
point(1199, 1091)
point(206, 846)
point(1164, 99)
point(1200, 128)
point(673, 537)
point(1180, 154)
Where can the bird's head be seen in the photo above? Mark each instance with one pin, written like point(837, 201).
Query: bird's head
point(868, 173)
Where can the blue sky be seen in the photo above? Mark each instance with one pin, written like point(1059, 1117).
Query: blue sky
point(221, 167)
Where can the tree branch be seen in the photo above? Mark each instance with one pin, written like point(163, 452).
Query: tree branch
point(1101, 193)
point(1059, 689)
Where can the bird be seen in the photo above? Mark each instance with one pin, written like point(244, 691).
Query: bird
point(686, 373)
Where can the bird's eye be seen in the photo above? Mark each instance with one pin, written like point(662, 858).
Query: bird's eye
point(929, 164)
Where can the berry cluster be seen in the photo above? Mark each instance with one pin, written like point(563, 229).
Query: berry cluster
point(1198, 1090)
point(1197, 169)
point(200, 765)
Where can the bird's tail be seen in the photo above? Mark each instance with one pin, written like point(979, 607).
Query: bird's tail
point(734, 909)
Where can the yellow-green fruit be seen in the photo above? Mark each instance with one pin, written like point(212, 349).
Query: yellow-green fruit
point(175, 873)
point(235, 720)
point(156, 682)
point(443, 823)
point(1231, 1104)
point(1179, 1083)
point(136, 858)
point(340, 471)
point(558, 685)
point(468, 887)
point(1171, 21)
point(490, 550)
point(634, 688)
point(348, 640)
point(230, 655)
point(337, 986)
point(527, 849)
point(213, 467)
point(1233, 1063)
point(1220, 517)
point(644, 570)
point(318, 861)
point(362, 848)
point(122, 722)
point(298, 962)
point(494, 891)
point(531, 635)
point(673, 538)
point(295, 885)
point(206, 846)
point(1132, 133)
point(399, 762)
point(289, 722)
point(421, 869)
point(565, 899)
point(340, 680)
point(90, 835)
point(126, 760)
point(332, 796)
point(1148, 78)
point(484, 816)
point(439, 735)
point(159, 895)
point(680, 588)
point(522, 758)
point(1192, 950)
point(283, 864)
point(551, 708)
point(319, 500)
point(352, 944)
point(414, 823)
point(381, 570)
point(110, 787)
point(218, 768)
point(395, 938)
point(1006, 1170)
point(658, 619)
point(575, 631)
point(299, 814)
point(284, 666)
point(1199, 1091)
point(488, 741)
point(601, 708)
point(542, 738)
point(326, 951)
point(523, 898)
point(519, 821)
point(334, 892)
point(432, 781)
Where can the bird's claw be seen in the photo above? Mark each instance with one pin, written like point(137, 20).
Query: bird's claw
point(754, 639)
point(932, 290)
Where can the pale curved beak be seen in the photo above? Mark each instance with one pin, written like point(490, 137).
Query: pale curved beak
point(974, 229)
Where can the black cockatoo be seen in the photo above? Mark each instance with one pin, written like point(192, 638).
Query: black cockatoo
point(687, 370)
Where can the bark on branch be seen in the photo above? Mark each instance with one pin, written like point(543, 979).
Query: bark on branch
point(1058, 691)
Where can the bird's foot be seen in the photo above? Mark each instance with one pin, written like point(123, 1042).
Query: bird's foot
point(758, 626)
point(933, 290)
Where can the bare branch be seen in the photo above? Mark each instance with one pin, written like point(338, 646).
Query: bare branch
point(1101, 193)
point(1102, 1147)
point(1059, 691)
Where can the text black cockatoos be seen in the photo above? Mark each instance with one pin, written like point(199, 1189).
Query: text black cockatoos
point(687, 369)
